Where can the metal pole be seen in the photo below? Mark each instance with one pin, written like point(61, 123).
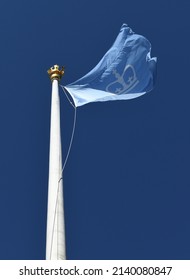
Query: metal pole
point(55, 237)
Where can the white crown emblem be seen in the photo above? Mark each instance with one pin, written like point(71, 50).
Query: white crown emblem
point(125, 82)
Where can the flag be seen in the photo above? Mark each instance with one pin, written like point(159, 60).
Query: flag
point(126, 71)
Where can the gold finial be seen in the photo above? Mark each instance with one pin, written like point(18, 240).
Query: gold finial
point(55, 73)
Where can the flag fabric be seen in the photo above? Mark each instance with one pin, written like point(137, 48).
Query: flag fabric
point(126, 71)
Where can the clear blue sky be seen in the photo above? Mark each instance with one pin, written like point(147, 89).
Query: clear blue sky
point(126, 184)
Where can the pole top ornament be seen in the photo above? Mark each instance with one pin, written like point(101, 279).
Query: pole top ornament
point(55, 73)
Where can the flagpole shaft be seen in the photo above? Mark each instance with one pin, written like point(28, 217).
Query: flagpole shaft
point(55, 236)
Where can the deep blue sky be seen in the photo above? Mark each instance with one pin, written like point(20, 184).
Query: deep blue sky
point(126, 184)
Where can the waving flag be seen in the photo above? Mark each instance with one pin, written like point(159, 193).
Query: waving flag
point(126, 71)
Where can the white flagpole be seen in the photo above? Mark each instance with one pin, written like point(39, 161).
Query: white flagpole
point(55, 236)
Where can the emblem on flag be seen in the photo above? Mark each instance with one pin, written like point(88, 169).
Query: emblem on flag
point(123, 83)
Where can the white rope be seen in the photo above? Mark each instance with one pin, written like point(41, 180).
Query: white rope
point(71, 141)
point(64, 90)
point(67, 156)
point(73, 130)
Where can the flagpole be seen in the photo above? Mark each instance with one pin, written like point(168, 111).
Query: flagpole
point(55, 235)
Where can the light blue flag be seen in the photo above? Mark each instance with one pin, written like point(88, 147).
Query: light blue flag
point(126, 71)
